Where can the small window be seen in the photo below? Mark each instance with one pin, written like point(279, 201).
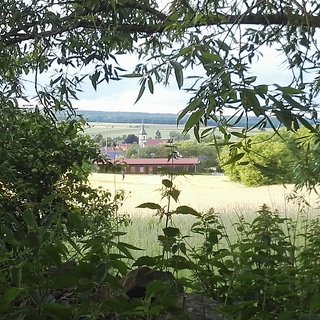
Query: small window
point(141, 169)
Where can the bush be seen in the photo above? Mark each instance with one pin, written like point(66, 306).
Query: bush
point(58, 239)
point(266, 159)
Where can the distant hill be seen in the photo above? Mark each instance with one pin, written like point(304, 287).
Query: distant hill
point(151, 118)
point(128, 117)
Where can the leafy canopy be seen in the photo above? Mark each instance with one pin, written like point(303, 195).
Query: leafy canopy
point(220, 39)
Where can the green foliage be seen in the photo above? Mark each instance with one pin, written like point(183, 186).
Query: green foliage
point(266, 268)
point(264, 274)
point(263, 159)
point(205, 151)
point(131, 138)
point(160, 151)
point(177, 136)
point(100, 140)
point(59, 236)
point(158, 135)
point(61, 256)
point(133, 151)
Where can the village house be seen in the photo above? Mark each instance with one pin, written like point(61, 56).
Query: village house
point(117, 162)
point(158, 165)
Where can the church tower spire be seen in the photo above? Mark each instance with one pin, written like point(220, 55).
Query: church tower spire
point(142, 136)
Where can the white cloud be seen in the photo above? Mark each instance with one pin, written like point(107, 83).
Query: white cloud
point(122, 98)
point(121, 95)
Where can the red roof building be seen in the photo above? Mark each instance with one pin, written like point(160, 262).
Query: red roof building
point(158, 165)
point(155, 142)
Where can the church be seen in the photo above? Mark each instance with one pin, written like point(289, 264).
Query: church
point(148, 142)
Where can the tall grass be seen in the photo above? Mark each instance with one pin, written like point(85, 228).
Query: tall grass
point(144, 229)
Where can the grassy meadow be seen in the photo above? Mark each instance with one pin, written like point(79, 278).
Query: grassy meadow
point(200, 192)
point(113, 130)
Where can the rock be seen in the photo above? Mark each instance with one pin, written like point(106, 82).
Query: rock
point(193, 306)
point(199, 307)
point(136, 281)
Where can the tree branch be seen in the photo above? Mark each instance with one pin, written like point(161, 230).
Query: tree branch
point(250, 19)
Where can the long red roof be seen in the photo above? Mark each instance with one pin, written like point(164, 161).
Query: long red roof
point(162, 161)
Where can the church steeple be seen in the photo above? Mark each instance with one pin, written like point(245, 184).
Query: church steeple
point(142, 136)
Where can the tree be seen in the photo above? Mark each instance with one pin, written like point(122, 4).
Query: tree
point(158, 135)
point(53, 223)
point(178, 136)
point(48, 213)
point(42, 35)
point(206, 152)
point(100, 140)
point(160, 151)
point(271, 159)
point(131, 138)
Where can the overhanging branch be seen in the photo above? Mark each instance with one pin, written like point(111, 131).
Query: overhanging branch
point(250, 19)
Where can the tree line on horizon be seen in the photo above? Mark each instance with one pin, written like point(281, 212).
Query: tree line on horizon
point(159, 118)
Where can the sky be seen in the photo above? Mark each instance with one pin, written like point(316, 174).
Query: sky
point(121, 95)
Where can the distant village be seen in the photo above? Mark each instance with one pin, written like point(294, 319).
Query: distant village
point(116, 155)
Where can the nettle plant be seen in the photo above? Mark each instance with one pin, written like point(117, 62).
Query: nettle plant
point(266, 268)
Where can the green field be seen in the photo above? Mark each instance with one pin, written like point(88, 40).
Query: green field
point(113, 130)
point(202, 192)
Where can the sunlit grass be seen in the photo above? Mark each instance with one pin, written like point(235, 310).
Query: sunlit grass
point(229, 200)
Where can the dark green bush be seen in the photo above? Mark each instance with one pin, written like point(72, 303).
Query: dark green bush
point(59, 251)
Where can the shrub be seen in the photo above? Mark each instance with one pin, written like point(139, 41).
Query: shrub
point(59, 248)
point(265, 159)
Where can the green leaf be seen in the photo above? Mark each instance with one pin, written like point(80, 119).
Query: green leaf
point(174, 193)
point(141, 91)
point(261, 89)
point(178, 73)
point(238, 134)
point(101, 272)
point(150, 85)
point(289, 90)
point(187, 210)
point(128, 245)
point(171, 232)
point(208, 57)
point(167, 183)
point(234, 159)
point(193, 105)
point(146, 261)
point(150, 205)
point(307, 124)
point(249, 99)
point(29, 218)
point(94, 79)
point(315, 303)
point(125, 251)
point(193, 120)
point(183, 248)
point(132, 75)
point(179, 77)
point(10, 294)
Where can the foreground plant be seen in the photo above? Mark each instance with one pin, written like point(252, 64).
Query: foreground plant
point(59, 252)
